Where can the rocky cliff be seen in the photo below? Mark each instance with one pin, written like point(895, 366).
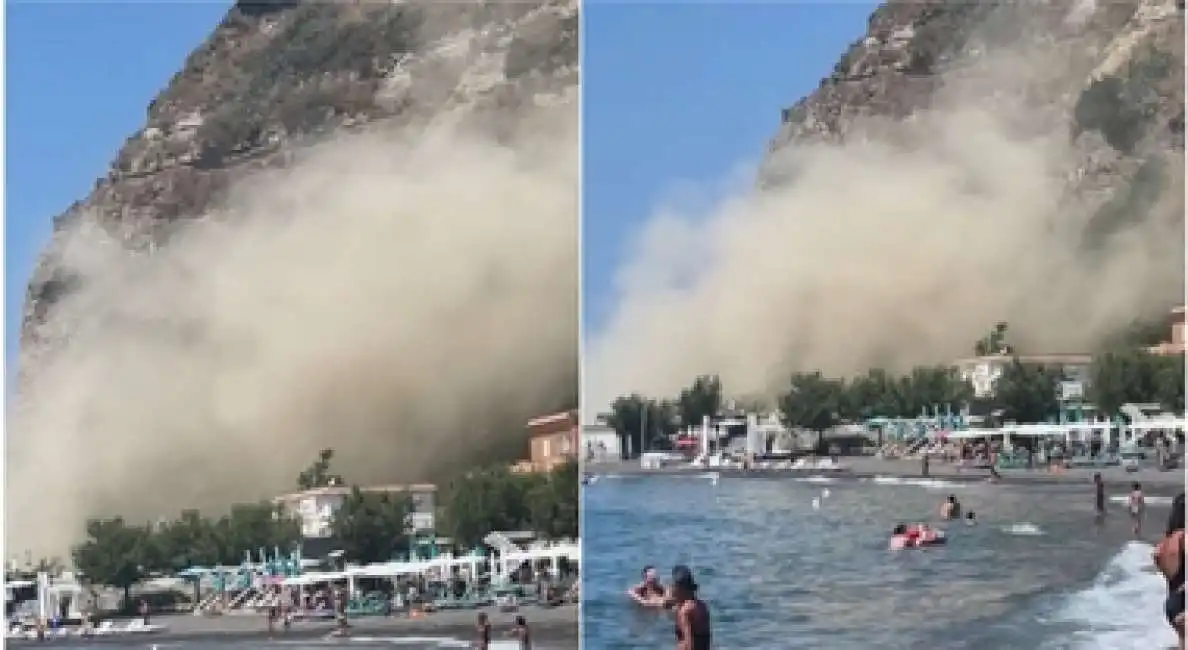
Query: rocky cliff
point(343, 224)
point(1111, 73)
point(278, 74)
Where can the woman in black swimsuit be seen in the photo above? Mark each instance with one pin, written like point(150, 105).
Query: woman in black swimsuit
point(692, 615)
point(1169, 557)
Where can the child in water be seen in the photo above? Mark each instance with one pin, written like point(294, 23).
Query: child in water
point(970, 518)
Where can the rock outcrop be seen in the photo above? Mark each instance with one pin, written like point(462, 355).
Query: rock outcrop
point(278, 74)
point(1111, 73)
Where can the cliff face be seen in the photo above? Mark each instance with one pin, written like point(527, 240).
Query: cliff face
point(343, 224)
point(1111, 74)
point(279, 74)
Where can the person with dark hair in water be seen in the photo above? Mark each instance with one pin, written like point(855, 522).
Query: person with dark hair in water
point(649, 592)
point(692, 615)
point(1169, 557)
point(1099, 500)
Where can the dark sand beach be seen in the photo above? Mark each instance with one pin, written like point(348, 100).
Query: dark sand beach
point(553, 629)
point(869, 467)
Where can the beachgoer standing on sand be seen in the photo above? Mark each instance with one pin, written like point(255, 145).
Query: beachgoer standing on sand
point(1169, 557)
point(482, 632)
point(521, 633)
point(693, 631)
point(1099, 499)
point(1136, 504)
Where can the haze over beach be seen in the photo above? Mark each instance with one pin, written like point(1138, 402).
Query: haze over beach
point(905, 241)
point(405, 295)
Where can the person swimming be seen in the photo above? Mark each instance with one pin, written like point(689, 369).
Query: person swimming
point(970, 518)
point(693, 630)
point(649, 592)
point(913, 536)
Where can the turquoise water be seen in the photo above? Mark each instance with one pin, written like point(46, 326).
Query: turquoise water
point(779, 572)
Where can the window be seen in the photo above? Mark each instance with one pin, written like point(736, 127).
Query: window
point(544, 448)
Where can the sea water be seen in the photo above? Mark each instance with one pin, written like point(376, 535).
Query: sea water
point(779, 572)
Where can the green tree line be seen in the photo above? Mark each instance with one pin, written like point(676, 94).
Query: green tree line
point(1122, 372)
point(369, 526)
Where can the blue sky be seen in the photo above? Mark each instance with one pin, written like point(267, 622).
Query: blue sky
point(676, 93)
point(79, 79)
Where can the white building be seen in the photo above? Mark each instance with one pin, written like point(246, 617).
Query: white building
point(600, 443)
point(982, 372)
point(315, 508)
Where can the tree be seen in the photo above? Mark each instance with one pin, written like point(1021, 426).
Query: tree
point(936, 386)
point(1169, 382)
point(318, 473)
point(252, 526)
point(812, 402)
point(1027, 392)
point(371, 526)
point(702, 399)
point(553, 503)
point(1133, 375)
point(641, 423)
point(994, 342)
point(870, 395)
point(113, 554)
point(485, 500)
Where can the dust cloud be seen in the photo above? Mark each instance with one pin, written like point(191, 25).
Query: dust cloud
point(407, 298)
point(901, 246)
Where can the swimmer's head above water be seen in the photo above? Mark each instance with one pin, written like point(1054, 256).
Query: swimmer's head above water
point(684, 587)
point(649, 574)
point(900, 529)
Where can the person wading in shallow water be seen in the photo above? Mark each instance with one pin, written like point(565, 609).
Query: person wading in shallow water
point(1169, 557)
point(521, 633)
point(1099, 499)
point(482, 632)
point(692, 615)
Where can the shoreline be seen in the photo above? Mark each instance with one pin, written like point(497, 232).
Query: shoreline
point(1164, 483)
point(552, 627)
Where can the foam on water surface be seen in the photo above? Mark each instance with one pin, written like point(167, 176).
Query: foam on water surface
point(927, 483)
point(1023, 528)
point(1151, 500)
point(1122, 610)
point(438, 641)
point(816, 479)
